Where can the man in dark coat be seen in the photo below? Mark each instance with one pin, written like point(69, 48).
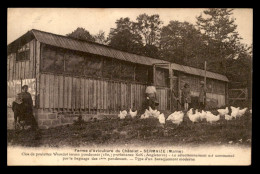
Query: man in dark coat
point(27, 104)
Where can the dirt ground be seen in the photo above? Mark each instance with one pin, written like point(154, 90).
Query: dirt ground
point(136, 131)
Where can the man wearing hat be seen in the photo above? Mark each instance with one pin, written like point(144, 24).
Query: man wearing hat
point(202, 96)
point(151, 96)
point(186, 96)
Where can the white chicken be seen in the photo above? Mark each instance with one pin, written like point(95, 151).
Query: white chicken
point(223, 111)
point(193, 117)
point(144, 116)
point(161, 118)
point(133, 114)
point(241, 112)
point(228, 117)
point(235, 111)
point(211, 117)
point(176, 117)
point(154, 113)
point(122, 114)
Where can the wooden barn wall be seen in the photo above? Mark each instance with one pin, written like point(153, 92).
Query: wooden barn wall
point(67, 93)
point(17, 70)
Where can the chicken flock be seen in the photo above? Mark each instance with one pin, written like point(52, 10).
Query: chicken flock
point(177, 116)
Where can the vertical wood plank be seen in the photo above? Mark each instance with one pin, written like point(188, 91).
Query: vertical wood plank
point(17, 71)
point(78, 93)
point(41, 92)
point(98, 94)
point(21, 70)
point(86, 96)
point(121, 94)
point(115, 98)
point(30, 62)
point(105, 95)
point(47, 92)
point(70, 92)
point(73, 96)
point(34, 59)
point(94, 93)
point(82, 93)
point(131, 95)
point(56, 91)
point(12, 68)
point(29, 72)
point(24, 71)
point(101, 94)
point(112, 95)
point(90, 94)
point(65, 93)
point(60, 91)
point(109, 107)
point(51, 91)
point(125, 95)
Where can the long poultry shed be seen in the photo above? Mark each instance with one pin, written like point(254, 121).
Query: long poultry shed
point(70, 77)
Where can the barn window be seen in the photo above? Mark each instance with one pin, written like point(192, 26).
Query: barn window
point(127, 71)
point(107, 68)
point(52, 59)
point(74, 63)
point(116, 69)
point(141, 74)
point(23, 53)
point(93, 66)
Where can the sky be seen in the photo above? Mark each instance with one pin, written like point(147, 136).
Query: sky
point(65, 20)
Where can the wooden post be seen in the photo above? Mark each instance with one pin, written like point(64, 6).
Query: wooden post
point(134, 72)
point(179, 92)
point(227, 100)
point(21, 84)
point(205, 77)
point(171, 84)
point(154, 71)
point(205, 70)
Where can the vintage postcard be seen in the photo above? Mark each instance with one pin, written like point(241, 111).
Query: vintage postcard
point(129, 87)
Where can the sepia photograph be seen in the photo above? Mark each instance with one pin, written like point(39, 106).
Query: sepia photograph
point(129, 86)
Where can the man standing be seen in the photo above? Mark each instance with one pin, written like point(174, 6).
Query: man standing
point(151, 96)
point(27, 104)
point(186, 96)
point(202, 96)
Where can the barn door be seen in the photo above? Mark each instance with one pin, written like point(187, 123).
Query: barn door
point(171, 85)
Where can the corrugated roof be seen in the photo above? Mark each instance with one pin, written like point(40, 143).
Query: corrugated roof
point(103, 50)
